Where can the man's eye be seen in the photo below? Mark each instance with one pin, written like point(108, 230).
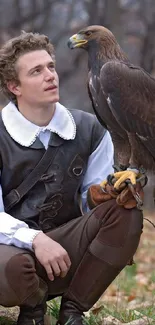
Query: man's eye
point(51, 67)
point(36, 71)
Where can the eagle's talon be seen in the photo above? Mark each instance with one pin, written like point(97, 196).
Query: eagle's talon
point(128, 176)
point(103, 184)
point(103, 189)
point(111, 179)
point(142, 179)
point(136, 195)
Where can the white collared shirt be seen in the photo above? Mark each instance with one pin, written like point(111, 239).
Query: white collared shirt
point(16, 232)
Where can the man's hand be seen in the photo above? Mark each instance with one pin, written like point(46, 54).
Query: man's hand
point(127, 196)
point(51, 255)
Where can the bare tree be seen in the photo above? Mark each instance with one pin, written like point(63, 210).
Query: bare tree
point(131, 21)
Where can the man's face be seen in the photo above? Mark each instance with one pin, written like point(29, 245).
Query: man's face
point(38, 80)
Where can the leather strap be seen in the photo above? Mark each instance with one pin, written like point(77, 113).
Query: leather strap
point(17, 194)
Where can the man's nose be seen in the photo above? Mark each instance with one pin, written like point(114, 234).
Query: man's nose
point(49, 75)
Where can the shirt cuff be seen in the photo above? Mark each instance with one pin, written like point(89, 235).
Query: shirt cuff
point(23, 237)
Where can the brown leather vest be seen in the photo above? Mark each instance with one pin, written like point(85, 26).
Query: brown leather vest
point(53, 200)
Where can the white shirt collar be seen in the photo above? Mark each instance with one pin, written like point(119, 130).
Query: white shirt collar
point(25, 132)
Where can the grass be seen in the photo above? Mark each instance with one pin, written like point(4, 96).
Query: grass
point(53, 308)
point(6, 321)
point(97, 314)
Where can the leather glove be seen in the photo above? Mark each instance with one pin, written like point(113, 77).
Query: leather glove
point(127, 195)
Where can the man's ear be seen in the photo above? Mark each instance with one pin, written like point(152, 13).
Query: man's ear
point(14, 88)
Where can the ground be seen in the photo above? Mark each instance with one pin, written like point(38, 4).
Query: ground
point(128, 300)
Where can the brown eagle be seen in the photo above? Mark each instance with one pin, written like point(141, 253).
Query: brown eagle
point(123, 98)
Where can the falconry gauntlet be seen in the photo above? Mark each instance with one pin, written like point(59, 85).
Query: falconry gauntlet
point(127, 195)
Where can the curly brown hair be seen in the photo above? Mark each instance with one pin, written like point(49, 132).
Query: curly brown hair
point(12, 50)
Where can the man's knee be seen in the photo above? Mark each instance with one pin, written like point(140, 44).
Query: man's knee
point(119, 234)
point(118, 223)
point(20, 280)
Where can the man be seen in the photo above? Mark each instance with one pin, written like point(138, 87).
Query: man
point(49, 157)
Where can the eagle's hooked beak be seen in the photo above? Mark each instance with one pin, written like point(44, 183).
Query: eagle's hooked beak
point(76, 40)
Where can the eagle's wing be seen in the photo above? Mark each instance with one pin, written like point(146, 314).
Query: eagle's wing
point(101, 107)
point(108, 120)
point(130, 92)
point(92, 92)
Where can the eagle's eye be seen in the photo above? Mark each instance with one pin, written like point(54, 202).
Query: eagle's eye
point(88, 33)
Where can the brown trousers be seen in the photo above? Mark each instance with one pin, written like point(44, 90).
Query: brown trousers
point(109, 232)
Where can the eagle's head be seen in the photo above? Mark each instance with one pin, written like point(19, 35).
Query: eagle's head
point(98, 39)
point(90, 35)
